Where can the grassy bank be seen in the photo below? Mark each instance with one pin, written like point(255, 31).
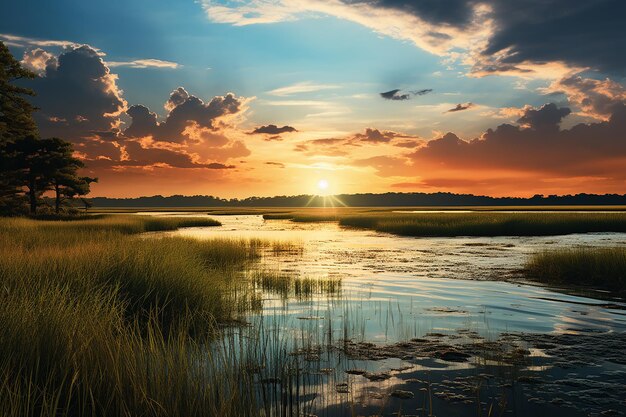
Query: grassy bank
point(471, 224)
point(97, 321)
point(588, 267)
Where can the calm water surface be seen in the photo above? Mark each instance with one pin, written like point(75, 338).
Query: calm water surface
point(395, 289)
point(424, 284)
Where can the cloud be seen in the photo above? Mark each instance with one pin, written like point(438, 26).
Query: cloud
point(23, 41)
point(273, 130)
point(461, 107)
point(277, 164)
point(585, 149)
point(395, 95)
point(302, 87)
point(184, 109)
point(535, 156)
point(77, 94)
point(79, 100)
point(145, 63)
point(422, 92)
point(140, 154)
point(581, 33)
point(341, 146)
point(37, 60)
point(424, 23)
point(376, 136)
point(547, 117)
point(323, 147)
point(538, 39)
point(595, 98)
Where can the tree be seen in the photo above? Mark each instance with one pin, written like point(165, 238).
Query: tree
point(16, 122)
point(30, 166)
point(62, 171)
point(48, 165)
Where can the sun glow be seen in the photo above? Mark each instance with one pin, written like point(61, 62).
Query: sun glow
point(322, 185)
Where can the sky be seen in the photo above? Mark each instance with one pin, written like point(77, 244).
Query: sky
point(285, 97)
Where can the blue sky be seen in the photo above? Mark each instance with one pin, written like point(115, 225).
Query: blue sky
point(253, 60)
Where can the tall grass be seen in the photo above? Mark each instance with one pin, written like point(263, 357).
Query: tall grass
point(98, 322)
point(590, 267)
point(488, 224)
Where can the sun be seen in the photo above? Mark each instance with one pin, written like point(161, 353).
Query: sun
point(322, 185)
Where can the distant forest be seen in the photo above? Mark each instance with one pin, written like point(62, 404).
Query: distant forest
point(361, 200)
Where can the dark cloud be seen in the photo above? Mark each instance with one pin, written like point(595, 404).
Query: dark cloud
point(585, 149)
point(80, 101)
point(579, 32)
point(273, 130)
point(596, 98)
point(375, 135)
point(395, 95)
point(422, 92)
point(278, 164)
point(460, 107)
point(76, 94)
point(446, 12)
point(547, 117)
point(177, 97)
point(184, 109)
point(144, 122)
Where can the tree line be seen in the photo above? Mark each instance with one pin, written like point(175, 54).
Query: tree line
point(31, 167)
point(364, 200)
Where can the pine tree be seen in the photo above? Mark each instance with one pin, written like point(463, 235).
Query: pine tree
point(16, 123)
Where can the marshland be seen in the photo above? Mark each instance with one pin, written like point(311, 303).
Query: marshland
point(328, 312)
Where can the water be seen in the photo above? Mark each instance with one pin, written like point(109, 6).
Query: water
point(463, 290)
point(426, 284)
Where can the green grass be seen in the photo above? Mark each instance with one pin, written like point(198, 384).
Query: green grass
point(588, 267)
point(97, 321)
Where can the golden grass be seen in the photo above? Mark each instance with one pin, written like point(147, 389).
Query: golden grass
point(98, 322)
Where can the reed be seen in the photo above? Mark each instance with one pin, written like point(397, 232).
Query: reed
point(487, 224)
point(587, 266)
point(97, 321)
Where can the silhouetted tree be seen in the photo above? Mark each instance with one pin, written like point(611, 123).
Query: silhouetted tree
point(61, 169)
point(32, 167)
point(16, 123)
point(29, 165)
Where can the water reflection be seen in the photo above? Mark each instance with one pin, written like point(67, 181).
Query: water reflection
point(399, 286)
point(358, 322)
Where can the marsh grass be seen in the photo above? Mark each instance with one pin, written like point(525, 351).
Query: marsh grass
point(98, 322)
point(453, 223)
point(586, 266)
point(289, 286)
point(488, 224)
